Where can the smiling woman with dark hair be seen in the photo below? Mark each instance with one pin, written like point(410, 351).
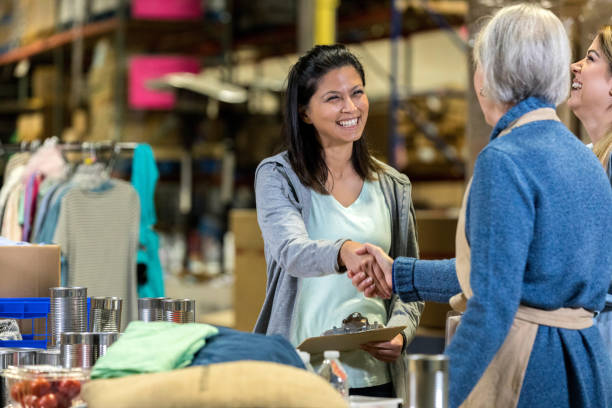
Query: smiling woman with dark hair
point(316, 203)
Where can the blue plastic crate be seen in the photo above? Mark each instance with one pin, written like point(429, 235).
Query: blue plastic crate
point(24, 308)
point(28, 308)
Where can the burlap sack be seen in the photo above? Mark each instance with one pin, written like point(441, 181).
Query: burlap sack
point(236, 384)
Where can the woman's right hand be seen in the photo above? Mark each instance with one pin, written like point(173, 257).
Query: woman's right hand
point(356, 260)
point(378, 279)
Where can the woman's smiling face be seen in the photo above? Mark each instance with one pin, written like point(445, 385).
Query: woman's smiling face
point(339, 107)
point(591, 83)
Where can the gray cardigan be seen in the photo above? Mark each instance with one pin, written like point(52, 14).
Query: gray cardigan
point(283, 208)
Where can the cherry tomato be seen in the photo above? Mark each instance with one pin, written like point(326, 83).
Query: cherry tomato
point(19, 390)
point(70, 388)
point(40, 387)
point(63, 401)
point(48, 401)
point(30, 401)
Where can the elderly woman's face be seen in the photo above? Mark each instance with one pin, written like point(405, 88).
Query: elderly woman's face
point(339, 107)
point(591, 83)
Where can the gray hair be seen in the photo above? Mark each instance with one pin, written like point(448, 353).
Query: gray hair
point(524, 51)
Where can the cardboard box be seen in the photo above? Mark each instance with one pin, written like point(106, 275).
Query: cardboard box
point(434, 315)
point(29, 271)
point(250, 268)
point(39, 19)
point(436, 232)
point(44, 82)
point(34, 126)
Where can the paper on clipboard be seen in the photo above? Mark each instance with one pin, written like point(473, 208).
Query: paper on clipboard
point(350, 341)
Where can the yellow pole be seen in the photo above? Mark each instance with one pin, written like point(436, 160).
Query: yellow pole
point(325, 21)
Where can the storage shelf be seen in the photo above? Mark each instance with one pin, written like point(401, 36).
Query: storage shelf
point(59, 40)
point(184, 35)
point(28, 105)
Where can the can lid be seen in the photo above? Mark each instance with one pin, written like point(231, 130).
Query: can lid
point(76, 291)
point(105, 338)
point(108, 303)
point(74, 338)
point(178, 305)
point(150, 302)
point(331, 354)
point(427, 362)
point(48, 351)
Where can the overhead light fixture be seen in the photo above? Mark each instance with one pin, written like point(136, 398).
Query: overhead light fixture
point(203, 84)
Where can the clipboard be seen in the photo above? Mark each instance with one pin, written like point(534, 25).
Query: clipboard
point(349, 341)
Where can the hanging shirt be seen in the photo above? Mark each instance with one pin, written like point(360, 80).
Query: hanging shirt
point(15, 161)
point(323, 302)
point(98, 235)
point(49, 223)
point(11, 180)
point(11, 228)
point(46, 191)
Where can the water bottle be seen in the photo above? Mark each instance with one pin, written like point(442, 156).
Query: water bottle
point(332, 371)
point(305, 356)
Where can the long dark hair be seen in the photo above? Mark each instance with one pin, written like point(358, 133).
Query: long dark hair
point(304, 149)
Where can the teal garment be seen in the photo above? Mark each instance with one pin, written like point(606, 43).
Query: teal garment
point(152, 347)
point(324, 301)
point(144, 179)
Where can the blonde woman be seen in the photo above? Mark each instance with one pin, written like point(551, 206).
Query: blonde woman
point(591, 102)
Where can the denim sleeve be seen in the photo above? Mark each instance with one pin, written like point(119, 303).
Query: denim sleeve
point(429, 280)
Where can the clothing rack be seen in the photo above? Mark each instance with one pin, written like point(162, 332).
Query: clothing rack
point(116, 147)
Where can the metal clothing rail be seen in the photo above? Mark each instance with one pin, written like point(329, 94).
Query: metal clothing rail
point(116, 147)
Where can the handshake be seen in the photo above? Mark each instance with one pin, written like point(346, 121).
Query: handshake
point(369, 268)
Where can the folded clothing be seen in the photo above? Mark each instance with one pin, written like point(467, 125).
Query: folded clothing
point(151, 347)
point(234, 345)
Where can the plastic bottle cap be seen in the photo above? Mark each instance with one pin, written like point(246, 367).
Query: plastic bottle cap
point(331, 354)
point(305, 356)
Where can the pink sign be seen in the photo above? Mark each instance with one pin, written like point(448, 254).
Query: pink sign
point(167, 9)
point(145, 68)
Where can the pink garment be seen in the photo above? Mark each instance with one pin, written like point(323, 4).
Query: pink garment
point(31, 195)
point(48, 161)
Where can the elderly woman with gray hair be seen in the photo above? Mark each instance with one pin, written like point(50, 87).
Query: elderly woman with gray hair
point(531, 263)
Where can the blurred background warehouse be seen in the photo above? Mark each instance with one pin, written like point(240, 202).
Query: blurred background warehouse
point(202, 83)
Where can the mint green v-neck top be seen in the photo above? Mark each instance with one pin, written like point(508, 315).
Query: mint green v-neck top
point(323, 302)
